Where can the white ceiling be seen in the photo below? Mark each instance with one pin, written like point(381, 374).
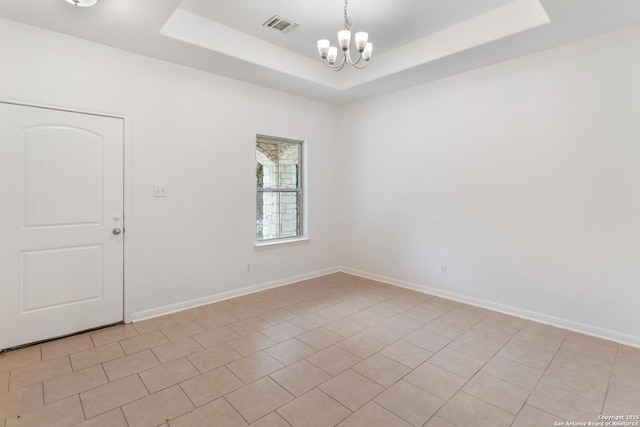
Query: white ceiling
point(323, 18)
point(415, 41)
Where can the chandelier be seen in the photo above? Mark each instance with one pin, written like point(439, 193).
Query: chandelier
point(329, 53)
point(82, 3)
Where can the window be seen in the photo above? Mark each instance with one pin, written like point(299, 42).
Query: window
point(279, 196)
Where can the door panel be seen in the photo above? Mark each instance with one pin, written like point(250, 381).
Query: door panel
point(61, 167)
point(53, 278)
point(61, 187)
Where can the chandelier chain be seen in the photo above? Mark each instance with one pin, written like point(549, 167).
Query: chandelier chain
point(347, 20)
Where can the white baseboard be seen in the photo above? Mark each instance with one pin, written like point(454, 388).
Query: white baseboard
point(185, 305)
point(582, 328)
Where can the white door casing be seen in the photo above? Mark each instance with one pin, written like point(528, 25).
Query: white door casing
point(61, 187)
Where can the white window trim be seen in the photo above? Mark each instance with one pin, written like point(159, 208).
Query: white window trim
point(275, 243)
point(304, 237)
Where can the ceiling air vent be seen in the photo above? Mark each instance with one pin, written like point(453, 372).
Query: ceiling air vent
point(280, 24)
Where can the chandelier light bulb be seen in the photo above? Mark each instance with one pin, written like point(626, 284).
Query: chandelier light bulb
point(323, 47)
point(368, 50)
point(361, 40)
point(344, 39)
point(333, 54)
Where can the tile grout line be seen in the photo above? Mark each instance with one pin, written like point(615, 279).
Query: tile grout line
point(412, 369)
point(540, 379)
point(613, 367)
point(427, 361)
point(123, 416)
point(495, 354)
point(236, 409)
point(317, 386)
point(466, 382)
point(377, 352)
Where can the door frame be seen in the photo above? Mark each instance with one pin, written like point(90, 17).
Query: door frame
point(127, 171)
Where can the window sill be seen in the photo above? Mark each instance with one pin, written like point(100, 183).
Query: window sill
point(280, 243)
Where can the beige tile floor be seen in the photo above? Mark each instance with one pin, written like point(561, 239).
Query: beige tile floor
point(337, 350)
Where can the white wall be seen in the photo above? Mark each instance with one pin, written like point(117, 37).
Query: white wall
point(194, 132)
point(522, 177)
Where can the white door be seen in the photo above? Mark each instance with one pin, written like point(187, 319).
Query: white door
point(61, 196)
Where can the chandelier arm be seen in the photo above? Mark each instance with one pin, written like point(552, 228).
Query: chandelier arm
point(340, 67)
point(335, 67)
point(347, 56)
point(363, 67)
point(359, 59)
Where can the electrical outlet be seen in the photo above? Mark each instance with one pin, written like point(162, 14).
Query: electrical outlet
point(159, 191)
point(248, 267)
point(443, 269)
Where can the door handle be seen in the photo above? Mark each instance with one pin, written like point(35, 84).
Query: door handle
point(117, 231)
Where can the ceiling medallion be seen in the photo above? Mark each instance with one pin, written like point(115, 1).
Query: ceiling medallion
point(329, 53)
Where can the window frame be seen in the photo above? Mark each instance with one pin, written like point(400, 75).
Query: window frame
point(300, 189)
